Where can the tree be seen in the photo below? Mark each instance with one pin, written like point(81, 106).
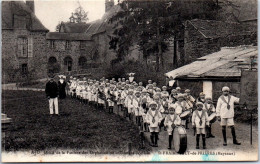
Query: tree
point(80, 14)
point(150, 24)
point(58, 27)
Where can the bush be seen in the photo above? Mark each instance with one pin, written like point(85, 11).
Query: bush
point(142, 73)
point(244, 116)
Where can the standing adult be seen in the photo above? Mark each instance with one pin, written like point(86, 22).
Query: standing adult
point(62, 87)
point(52, 93)
point(225, 113)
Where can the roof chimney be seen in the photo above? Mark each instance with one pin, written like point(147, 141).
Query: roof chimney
point(30, 4)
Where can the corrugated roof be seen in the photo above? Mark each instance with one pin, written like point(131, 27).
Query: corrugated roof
point(216, 29)
point(67, 36)
point(10, 8)
point(225, 63)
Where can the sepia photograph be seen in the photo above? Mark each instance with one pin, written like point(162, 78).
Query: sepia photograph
point(129, 80)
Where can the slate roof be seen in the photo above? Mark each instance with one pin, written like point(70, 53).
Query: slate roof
point(68, 36)
point(74, 27)
point(225, 63)
point(102, 24)
point(215, 29)
point(10, 8)
point(84, 31)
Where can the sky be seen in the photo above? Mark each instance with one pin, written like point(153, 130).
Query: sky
point(51, 12)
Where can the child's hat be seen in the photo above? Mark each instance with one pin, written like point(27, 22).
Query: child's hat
point(152, 103)
point(202, 94)
point(180, 96)
point(187, 90)
point(199, 103)
point(171, 106)
point(225, 89)
point(208, 98)
point(130, 91)
point(173, 90)
point(164, 95)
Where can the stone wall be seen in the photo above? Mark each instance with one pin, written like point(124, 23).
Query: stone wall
point(195, 45)
point(74, 52)
point(105, 55)
point(12, 63)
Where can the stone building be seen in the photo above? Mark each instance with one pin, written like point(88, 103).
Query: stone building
point(29, 49)
point(81, 46)
point(23, 42)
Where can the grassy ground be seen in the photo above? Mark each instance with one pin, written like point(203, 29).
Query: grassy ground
point(35, 84)
point(78, 126)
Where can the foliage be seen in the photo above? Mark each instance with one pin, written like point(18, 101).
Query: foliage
point(150, 24)
point(142, 73)
point(80, 14)
point(58, 27)
point(15, 75)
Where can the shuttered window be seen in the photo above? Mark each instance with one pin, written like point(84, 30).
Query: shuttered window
point(67, 45)
point(22, 47)
point(52, 44)
point(30, 47)
point(82, 45)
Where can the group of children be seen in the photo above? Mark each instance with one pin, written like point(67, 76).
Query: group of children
point(153, 108)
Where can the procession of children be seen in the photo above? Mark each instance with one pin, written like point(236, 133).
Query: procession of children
point(154, 109)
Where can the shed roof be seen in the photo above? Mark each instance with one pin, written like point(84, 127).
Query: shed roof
point(228, 62)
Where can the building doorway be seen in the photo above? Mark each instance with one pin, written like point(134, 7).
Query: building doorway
point(82, 62)
point(53, 66)
point(68, 63)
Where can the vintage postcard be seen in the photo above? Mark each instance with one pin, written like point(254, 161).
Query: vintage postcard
point(129, 80)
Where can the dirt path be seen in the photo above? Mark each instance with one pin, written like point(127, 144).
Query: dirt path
point(213, 144)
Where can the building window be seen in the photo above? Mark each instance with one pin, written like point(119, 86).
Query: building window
point(82, 62)
point(67, 46)
point(68, 63)
point(30, 47)
point(52, 44)
point(24, 69)
point(82, 45)
point(22, 47)
point(19, 22)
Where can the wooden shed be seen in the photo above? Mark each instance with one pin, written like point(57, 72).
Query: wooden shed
point(210, 73)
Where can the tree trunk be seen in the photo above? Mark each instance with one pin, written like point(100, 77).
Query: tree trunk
point(159, 45)
point(175, 65)
point(145, 57)
point(157, 63)
point(160, 54)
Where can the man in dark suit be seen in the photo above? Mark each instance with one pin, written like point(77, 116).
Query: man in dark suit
point(52, 93)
